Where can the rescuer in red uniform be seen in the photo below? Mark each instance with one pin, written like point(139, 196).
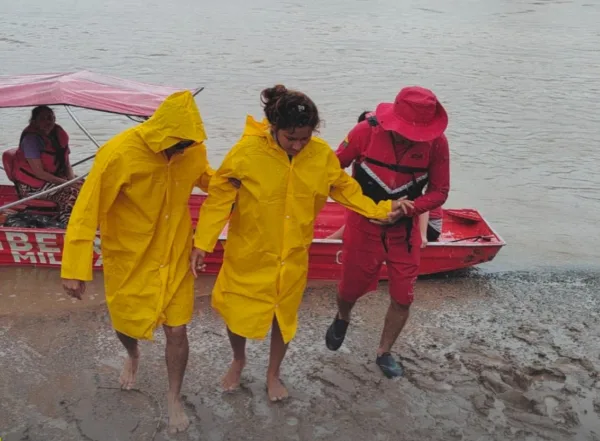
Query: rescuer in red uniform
point(397, 151)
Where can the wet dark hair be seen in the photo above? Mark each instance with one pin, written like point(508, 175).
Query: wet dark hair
point(184, 144)
point(363, 116)
point(288, 109)
point(35, 113)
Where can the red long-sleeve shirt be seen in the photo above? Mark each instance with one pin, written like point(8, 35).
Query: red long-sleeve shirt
point(354, 148)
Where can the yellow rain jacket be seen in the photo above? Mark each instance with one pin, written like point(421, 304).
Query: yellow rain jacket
point(139, 198)
point(265, 264)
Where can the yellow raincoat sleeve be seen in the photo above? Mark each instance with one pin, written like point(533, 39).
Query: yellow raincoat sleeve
point(208, 173)
point(345, 190)
point(97, 194)
point(204, 181)
point(216, 209)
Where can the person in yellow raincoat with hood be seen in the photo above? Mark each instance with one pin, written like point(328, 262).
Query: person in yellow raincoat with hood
point(137, 192)
point(285, 176)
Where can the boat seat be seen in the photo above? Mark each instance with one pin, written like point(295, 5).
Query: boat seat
point(40, 206)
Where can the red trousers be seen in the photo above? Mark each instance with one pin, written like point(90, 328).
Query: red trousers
point(363, 253)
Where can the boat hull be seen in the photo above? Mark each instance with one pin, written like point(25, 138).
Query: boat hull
point(467, 240)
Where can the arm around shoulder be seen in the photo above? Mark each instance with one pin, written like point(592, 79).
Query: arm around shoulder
point(216, 209)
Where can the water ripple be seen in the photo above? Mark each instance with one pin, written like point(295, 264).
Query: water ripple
point(520, 81)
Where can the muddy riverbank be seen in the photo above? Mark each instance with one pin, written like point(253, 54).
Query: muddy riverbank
point(488, 357)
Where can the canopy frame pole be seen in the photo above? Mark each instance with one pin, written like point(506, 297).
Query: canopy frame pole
point(43, 193)
point(83, 160)
point(83, 129)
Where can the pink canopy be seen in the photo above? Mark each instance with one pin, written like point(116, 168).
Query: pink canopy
point(83, 89)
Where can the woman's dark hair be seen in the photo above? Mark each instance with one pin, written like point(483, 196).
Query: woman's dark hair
point(288, 109)
point(35, 113)
point(363, 116)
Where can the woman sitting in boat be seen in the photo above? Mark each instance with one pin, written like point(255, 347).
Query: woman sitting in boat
point(42, 162)
point(430, 223)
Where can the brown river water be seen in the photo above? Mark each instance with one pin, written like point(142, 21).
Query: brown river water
point(506, 352)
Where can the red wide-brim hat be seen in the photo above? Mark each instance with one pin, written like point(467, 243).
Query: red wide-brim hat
point(416, 114)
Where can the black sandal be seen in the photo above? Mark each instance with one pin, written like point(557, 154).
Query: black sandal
point(389, 366)
point(336, 333)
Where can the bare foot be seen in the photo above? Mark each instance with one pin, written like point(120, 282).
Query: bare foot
point(129, 372)
point(231, 380)
point(178, 420)
point(275, 389)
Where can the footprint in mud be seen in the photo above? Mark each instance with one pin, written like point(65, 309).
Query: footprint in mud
point(335, 379)
point(534, 398)
point(528, 334)
point(550, 378)
point(114, 414)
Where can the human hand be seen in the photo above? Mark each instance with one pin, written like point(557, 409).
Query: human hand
point(400, 208)
point(197, 261)
point(403, 206)
point(74, 288)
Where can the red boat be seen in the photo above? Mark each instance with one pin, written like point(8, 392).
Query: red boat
point(467, 239)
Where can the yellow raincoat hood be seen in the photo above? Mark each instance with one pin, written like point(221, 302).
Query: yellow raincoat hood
point(176, 119)
point(256, 128)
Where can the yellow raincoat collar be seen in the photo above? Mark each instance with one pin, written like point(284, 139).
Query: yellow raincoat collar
point(176, 119)
point(263, 129)
point(256, 128)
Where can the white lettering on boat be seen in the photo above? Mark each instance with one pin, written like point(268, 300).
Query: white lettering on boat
point(34, 248)
point(22, 257)
point(20, 247)
point(338, 258)
point(98, 251)
point(18, 241)
point(38, 248)
point(44, 241)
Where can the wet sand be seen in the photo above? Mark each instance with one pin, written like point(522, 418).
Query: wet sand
point(488, 357)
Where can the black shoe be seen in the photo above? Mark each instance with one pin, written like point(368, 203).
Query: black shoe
point(336, 333)
point(390, 367)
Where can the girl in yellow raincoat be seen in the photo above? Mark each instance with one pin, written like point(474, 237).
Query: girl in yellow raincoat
point(285, 176)
point(137, 192)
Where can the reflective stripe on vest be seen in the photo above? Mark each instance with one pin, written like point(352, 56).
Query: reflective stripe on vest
point(369, 180)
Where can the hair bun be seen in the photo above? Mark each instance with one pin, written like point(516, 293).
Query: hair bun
point(273, 93)
point(289, 109)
